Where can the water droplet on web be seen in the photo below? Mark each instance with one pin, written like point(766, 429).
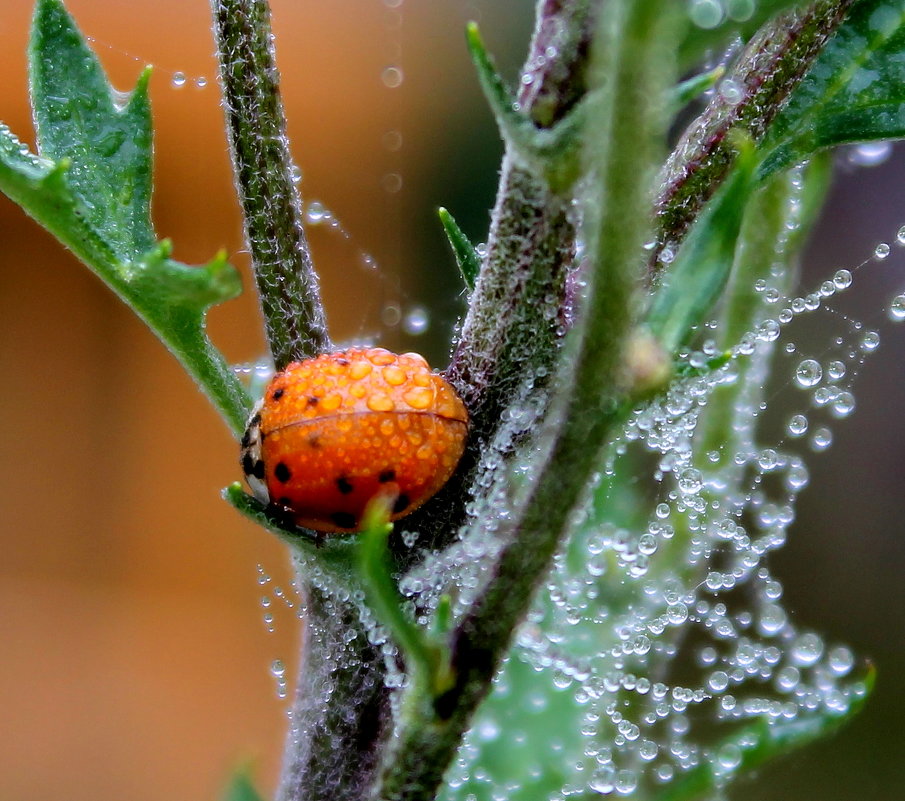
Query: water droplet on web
point(881, 251)
point(798, 425)
point(295, 174)
point(821, 439)
point(869, 154)
point(200, 82)
point(870, 341)
point(841, 660)
point(391, 182)
point(416, 321)
point(278, 671)
point(391, 315)
point(315, 213)
point(897, 309)
point(842, 279)
point(706, 14)
point(808, 373)
point(392, 141)
point(740, 10)
point(178, 80)
point(391, 77)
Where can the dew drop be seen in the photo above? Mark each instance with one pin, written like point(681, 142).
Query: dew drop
point(690, 481)
point(808, 373)
point(798, 425)
point(740, 10)
point(870, 154)
point(706, 14)
point(416, 321)
point(842, 279)
point(881, 251)
point(821, 439)
point(315, 213)
point(392, 141)
point(870, 341)
point(843, 405)
point(391, 182)
point(391, 77)
point(841, 660)
point(178, 80)
point(897, 309)
point(807, 649)
point(729, 757)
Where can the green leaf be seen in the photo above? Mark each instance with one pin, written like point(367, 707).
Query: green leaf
point(90, 187)
point(552, 153)
point(241, 788)
point(105, 135)
point(466, 256)
point(854, 91)
point(692, 88)
point(762, 742)
point(698, 275)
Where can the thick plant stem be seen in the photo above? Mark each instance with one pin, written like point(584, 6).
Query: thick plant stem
point(509, 330)
point(341, 707)
point(634, 71)
point(771, 66)
point(287, 283)
point(516, 319)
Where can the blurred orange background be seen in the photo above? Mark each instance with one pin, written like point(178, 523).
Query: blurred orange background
point(134, 660)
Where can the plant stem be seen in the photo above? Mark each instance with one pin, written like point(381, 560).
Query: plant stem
point(341, 708)
point(506, 333)
point(768, 70)
point(635, 70)
point(271, 206)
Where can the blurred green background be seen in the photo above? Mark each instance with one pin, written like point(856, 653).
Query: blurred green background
point(135, 659)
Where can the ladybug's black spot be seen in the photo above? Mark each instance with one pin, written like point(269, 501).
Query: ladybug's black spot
point(344, 485)
point(258, 469)
point(314, 441)
point(284, 501)
point(277, 394)
point(248, 464)
point(312, 400)
point(387, 475)
point(402, 503)
point(282, 472)
point(343, 519)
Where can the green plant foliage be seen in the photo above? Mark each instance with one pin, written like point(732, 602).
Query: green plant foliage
point(241, 788)
point(553, 153)
point(105, 136)
point(466, 256)
point(90, 186)
point(854, 92)
point(701, 268)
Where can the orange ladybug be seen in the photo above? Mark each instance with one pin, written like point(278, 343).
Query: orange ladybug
point(332, 432)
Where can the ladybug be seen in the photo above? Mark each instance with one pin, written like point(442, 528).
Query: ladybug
point(333, 432)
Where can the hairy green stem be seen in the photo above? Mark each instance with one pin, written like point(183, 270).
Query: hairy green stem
point(634, 71)
point(341, 708)
point(750, 97)
point(507, 332)
point(271, 206)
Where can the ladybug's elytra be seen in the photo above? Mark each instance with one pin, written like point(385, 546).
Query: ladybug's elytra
point(333, 432)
